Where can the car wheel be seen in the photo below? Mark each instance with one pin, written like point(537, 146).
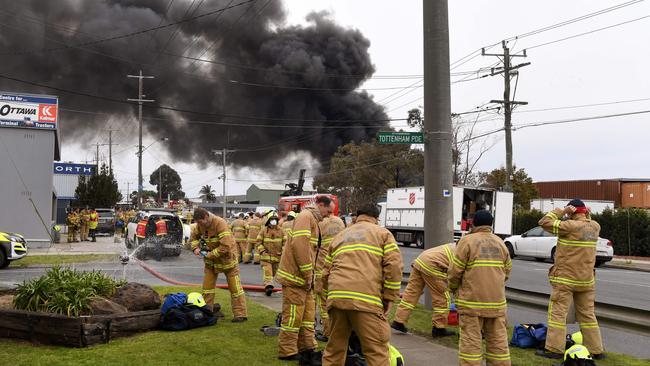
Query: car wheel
point(4, 262)
point(419, 241)
point(540, 259)
point(406, 244)
point(599, 263)
point(511, 250)
point(553, 255)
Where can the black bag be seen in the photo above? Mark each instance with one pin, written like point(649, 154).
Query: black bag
point(187, 317)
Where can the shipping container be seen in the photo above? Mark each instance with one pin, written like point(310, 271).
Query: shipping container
point(598, 190)
point(549, 204)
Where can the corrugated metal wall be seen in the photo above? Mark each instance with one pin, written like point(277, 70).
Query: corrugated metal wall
point(65, 185)
point(603, 190)
point(635, 194)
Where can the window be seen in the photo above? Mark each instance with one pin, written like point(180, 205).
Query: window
point(538, 231)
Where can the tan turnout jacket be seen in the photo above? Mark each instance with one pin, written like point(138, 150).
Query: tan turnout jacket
point(220, 243)
point(363, 268)
point(480, 267)
point(253, 228)
point(239, 230)
point(270, 242)
point(329, 228)
point(575, 253)
point(297, 264)
point(435, 261)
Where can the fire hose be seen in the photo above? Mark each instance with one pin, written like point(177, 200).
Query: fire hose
point(253, 288)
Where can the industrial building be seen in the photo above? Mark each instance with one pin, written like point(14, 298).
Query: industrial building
point(268, 194)
point(29, 142)
point(66, 180)
point(624, 192)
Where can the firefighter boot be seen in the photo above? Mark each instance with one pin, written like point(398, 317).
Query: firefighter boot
point(268, 290)
point(440, 332)
point(311, 358)
point(399, 326)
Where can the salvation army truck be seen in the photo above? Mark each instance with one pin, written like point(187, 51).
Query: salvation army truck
point(403, 212)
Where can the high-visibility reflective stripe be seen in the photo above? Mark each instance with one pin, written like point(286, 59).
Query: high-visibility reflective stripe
point(392, 285)
point(195, 242)
point(558, 325)
point(497, 356)
point(552, 215)
point(328, 259)
point(253, 227)
point(351, 295)
point(390, 247)
point(289, 329)
point(292, 316)
point(306, 267)
point(589, 325)
point(481, 305)
point(224, 234)
point(308, 325)
point(291, 277)
point(300, 233)
point(361, 247)
point(241, 239)
point(556, 226)
point(209, 291)
point(449, 253)
point(440, 310)
point(430, 270)
point(269, 240)
point(470, 356)
point(406, 305)
point(238, 228)
point(568, 281)
point(508, 264)
point(458, 262)
point(265, 257)
point(484, 263)
point(327, 241)
point(577, 243)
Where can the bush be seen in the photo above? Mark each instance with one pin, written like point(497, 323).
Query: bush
point(524, 220)
point(64, 291)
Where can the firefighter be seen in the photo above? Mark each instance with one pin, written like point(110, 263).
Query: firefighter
point(296, 275)
point(429, 269)
point(361, 277)
point(73, 222)
point(141, 229)
point(92, 224)
point(253, 229)
point(329, 228)
point(120, 223)
point(161, 233)
point(287, 225)
point(270, 242)
point(572, 278)
point(84, 218)
point(241, 236)
point(480, 267)
point(219, 249)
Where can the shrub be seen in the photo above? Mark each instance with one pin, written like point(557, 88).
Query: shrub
point(64, 291)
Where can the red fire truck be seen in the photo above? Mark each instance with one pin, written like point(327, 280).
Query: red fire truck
point(296, 203)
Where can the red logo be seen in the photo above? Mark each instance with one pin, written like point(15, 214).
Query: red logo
point(412, 198)
point(46, 113)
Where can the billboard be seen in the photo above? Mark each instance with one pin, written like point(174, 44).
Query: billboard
point(74, 169)
point(28, 111)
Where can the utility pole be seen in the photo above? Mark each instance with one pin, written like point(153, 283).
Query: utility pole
point(160, 183)
point(223, 153)
point(110, 150)
point(97, 145)
point(507, 70)
point(438, 182)
point(140, 77)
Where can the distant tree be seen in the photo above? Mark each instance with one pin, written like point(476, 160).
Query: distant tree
point(522, 185)
point(207, 193)
point(363, 172)
point(98, 190)
point(171, 182)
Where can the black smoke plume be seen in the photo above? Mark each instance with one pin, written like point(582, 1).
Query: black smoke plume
point(253, 45)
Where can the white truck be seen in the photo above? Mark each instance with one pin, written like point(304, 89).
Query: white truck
point(403, 212)
point(548, 204)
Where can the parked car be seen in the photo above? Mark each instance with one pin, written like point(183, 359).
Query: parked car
point(12, 247)
point(540, 244)
point(171, 243)
point(106, 221)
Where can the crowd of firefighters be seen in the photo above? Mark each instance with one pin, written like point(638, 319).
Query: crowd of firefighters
point(351, 276)
point(82, 224)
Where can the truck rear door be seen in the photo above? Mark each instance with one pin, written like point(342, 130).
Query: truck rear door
point(503, 213)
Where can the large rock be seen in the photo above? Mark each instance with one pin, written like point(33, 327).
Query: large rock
point(103, 306)
point(137, 297)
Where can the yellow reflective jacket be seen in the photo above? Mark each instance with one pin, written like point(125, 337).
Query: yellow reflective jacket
point(219, 241)
point(270, 242)
point(575, 252)
point(363, 268)
point(297, 262)
point(479, 270)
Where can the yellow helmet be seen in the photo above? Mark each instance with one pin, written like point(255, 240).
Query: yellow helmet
point(292, 214)
point(396, 358)
point(577, 337)
point(57, 228)
point(577, 351)
point(196, 299)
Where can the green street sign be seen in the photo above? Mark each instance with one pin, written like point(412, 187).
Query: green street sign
point(400, 137)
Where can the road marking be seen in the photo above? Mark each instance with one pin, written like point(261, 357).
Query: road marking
point(623, 283)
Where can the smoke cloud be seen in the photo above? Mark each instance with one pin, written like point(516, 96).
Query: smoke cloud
point(255, 45)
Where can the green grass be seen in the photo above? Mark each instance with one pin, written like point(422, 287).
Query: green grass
point(52, 260)
point(223, 344)
point(420, 323)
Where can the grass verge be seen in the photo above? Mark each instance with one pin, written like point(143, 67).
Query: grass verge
point(225, 343)
point(51, 260)
point(420, 323)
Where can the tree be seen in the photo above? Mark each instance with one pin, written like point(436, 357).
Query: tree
point(98, 190)
point(362, 172)
point(207, 193)
point(522, 185)
point(171, 182)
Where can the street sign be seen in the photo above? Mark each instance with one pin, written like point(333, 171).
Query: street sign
point(400, 137)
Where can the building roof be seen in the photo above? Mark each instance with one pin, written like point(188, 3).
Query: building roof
point(595, 180)
point(270, 187)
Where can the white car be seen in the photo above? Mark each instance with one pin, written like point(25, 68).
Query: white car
point(132, 241)
point(540, 244)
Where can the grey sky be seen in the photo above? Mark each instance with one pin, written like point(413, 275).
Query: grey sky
point(606, 66)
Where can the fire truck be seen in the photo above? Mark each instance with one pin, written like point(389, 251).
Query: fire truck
point(296, 203)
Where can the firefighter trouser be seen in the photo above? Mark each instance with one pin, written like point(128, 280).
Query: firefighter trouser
point(85, 230)
point(72, 233)
point(237, 297)
point(472, 331)
point(249, 252)
point(269, 270)
point(241, 244)
point(371, 328)
point(297, 328)
point(439, 298)
point(558, 307)
point(321, 307)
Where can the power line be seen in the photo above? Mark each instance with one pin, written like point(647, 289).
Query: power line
point(580, 119)
point(584, 105)
point(237, 82)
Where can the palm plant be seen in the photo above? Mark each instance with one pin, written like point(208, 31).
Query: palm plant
point(208, 193)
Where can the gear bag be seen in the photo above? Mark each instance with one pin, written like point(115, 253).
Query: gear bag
point(173, 301)
point(187, 317)
point(529, 335)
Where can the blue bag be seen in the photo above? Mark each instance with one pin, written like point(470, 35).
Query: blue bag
point(529, 335)
point(173, 301)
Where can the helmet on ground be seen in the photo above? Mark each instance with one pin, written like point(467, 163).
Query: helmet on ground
point(576, 337)
point(396, 358)
point(57, 228)
point(195, 299)
point(577, 352)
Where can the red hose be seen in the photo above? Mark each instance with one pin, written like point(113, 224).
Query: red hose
point(254, 288)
